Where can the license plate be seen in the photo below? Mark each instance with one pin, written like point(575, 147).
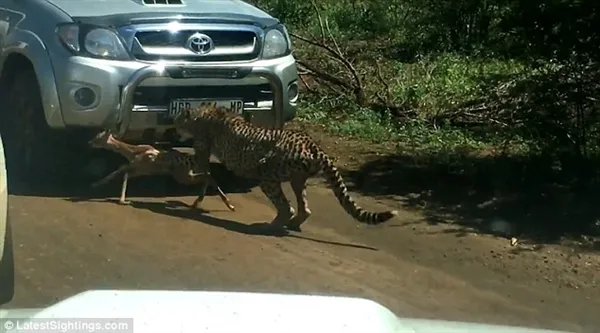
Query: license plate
point(179, 105)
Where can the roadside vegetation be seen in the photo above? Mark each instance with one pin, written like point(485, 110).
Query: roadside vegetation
point(483, 89)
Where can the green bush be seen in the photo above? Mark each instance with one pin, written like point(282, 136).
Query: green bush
point(496, 71)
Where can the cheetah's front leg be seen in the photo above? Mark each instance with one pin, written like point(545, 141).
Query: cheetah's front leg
point(203, 188)
point(273, 191)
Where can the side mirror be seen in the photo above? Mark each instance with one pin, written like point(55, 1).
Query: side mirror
point(7, 265)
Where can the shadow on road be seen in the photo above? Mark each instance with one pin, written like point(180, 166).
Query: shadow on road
point(7, 266)
point(525, 198)
point(79, 189)
point(181, 210)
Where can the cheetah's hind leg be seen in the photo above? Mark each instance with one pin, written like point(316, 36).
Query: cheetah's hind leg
point(273, 191)
point(298, 184)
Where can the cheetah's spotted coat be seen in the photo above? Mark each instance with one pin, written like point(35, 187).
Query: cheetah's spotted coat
point(271, 157)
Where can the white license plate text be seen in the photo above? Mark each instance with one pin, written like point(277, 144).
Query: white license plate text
point(179, 105)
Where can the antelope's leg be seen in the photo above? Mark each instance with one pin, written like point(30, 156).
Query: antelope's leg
point(224, 198)
point(123, 168)
point(122, 200)
point(208, 179)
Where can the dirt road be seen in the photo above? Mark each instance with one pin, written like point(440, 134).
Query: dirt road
point(66, 244)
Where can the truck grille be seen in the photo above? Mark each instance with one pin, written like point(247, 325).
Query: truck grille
point(159, 96)
point(229, 45)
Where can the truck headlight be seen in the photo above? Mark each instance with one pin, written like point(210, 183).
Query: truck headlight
point(92, 41)
point(276, 43)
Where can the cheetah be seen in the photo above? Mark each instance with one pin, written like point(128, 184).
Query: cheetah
point(147, 160)
point(270, 156)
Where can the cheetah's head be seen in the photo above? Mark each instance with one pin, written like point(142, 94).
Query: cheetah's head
point(184, 124)
point(189, 121)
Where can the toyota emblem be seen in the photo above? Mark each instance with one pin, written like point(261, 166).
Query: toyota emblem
point(200, 44)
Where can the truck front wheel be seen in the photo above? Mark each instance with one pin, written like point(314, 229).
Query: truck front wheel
point(34, 150)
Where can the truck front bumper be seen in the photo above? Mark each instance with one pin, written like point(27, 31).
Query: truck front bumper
point(116, 86)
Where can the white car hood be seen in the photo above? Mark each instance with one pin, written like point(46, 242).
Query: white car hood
point(83, 8)
point(202, 311)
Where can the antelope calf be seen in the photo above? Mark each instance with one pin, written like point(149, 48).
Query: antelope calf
point(147, 160)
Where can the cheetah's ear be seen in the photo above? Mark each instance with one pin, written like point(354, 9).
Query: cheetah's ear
point(190, 114)
point(186, 113)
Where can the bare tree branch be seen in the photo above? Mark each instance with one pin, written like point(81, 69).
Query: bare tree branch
point(324, 75)
point(335, 53)
point(305, 83)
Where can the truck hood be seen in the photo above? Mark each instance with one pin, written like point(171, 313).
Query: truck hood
point(90, 8)
point(202, 311)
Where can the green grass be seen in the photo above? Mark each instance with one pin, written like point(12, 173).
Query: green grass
point(436, 84)
point(432, 87)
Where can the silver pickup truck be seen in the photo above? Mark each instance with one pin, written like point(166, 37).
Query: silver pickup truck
point(131, 65)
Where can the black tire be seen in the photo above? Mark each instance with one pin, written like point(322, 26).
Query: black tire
point(35, 152)
point(7, 264)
